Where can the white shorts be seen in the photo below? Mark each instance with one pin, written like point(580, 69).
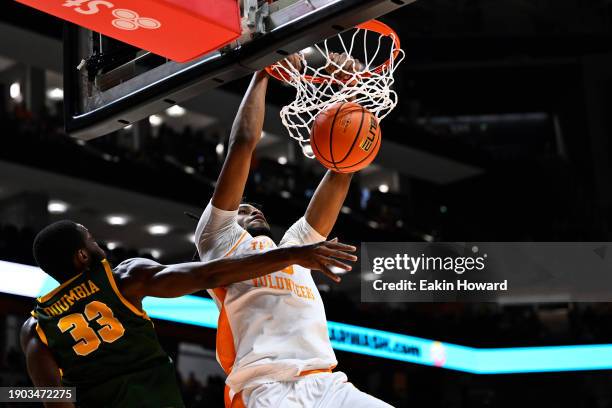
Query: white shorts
point(323, 390)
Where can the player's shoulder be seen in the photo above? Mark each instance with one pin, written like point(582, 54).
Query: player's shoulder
point(28, 330)
point(133, 266)
point(242, 242)
point(133, 274)
point(131, 262)
point(29, 325)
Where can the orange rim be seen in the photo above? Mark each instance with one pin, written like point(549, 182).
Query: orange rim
point(372, 25)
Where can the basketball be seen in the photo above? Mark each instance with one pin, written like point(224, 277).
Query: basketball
point(345, 137)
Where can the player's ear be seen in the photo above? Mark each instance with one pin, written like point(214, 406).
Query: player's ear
point(82, 257)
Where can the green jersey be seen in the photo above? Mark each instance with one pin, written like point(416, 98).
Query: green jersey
point(104, 345)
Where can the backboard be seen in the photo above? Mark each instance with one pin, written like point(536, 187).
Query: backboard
point(109, 85)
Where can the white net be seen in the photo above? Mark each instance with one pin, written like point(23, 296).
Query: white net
point(356, 76)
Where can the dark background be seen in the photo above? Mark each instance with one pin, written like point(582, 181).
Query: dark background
point(503, 132)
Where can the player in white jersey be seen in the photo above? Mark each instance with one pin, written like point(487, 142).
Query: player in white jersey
point(272, 338)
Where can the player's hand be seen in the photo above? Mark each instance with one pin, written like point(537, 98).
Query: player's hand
point(292, 62)
point(324, 255)
point(343, 66)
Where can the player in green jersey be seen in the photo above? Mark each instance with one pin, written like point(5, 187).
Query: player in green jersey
point(91, 332)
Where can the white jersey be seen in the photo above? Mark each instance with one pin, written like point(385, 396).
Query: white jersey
point(271, 328)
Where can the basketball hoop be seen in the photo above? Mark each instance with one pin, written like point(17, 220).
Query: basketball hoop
point(374, 44)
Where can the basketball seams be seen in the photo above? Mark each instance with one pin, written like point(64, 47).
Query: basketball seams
point(329, 121)
point(331, 135)
point(320, 155)
point(315, 145)
point(365, 158)
point(355, 138)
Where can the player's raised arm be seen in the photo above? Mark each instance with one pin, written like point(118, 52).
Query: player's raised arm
point(41, 365)
point(325, 204)
point(141, 277)
point(217, 230)
point(245, 134)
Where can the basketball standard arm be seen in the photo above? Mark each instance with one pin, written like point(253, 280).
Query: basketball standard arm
point(245, 134)
point(42, 367)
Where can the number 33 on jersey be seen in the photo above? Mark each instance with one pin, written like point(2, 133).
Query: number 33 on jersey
point(90, 326)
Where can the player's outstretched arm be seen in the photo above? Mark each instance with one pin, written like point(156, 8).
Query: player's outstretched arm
point(141, 277)
point(245, 134)
point(325, 204)
point(42, 368)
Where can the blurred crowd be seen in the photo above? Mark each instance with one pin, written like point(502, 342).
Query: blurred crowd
point(141, 157)
point(16, 244)
point(183, 166)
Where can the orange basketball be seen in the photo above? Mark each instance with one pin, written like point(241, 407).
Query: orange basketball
point(345, 137)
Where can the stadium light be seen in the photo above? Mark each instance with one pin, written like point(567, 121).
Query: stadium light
point(176, 111)
point(308, 51)
point(117, 219)
point(158, 229)
point(155, 120)
point(15, 92)
point(57, 207)
point(55, 94)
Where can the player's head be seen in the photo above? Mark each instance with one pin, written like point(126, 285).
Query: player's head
point(253, 221)
point(65, 248)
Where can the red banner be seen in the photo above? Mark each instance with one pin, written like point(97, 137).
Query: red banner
point(180, 30)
